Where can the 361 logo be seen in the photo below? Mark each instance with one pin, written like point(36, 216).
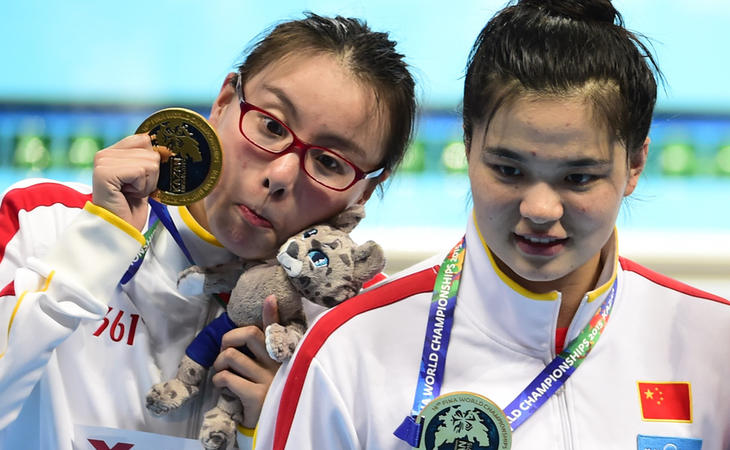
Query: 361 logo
point(118, 329)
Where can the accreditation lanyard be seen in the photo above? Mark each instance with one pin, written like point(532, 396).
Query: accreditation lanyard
point(158, 214)
point(438, 331)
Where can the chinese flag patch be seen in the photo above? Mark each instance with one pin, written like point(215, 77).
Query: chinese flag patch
point(671, 401)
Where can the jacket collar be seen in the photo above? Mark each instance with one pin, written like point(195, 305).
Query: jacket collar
point(514, 316)
point(203, 246)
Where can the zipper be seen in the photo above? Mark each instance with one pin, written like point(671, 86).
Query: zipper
point(565, 422)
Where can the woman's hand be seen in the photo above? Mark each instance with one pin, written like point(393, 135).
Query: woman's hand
point(124, 175)
point(246, 377)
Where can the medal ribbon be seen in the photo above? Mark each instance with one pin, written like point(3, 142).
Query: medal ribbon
point(134, 266)
point(159, 213)
point(164, 215)
point(436, 343)
point(545, 384)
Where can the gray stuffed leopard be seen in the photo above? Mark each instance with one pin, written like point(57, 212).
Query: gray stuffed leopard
point(322, 264)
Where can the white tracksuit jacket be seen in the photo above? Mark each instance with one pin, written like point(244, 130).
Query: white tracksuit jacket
point(353, 379)
point(76, 348)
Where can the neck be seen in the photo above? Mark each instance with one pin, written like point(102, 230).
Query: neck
point(197, 210)
point(572, 287)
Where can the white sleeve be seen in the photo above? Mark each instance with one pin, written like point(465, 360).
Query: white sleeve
point(49, 295)
point(320, 419)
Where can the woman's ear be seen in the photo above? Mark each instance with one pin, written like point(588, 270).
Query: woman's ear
point(637, 162)
point(226, 94)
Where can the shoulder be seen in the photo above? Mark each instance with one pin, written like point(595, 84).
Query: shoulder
point(36, 192)
point(393, 290)
point(40, 204)
point(375, 303)
point(662, 282)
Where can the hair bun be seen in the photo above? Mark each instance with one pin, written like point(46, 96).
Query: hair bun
point(584, 10)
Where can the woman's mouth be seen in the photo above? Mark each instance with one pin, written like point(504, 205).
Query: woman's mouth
point(253, 218)
point(540, 245)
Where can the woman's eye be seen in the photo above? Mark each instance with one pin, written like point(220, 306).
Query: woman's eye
point(506, 171)
point(580, 179)
point(274, 126)
point(329, 163)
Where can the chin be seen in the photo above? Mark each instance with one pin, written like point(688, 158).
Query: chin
point(542, 274)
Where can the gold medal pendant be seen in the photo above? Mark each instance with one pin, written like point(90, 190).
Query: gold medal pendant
point(193, 168)
point(464, 421)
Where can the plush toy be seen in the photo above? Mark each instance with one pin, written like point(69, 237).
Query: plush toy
point(322, 264)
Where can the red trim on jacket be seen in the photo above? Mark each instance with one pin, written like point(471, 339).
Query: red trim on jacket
point(29, 198)
point(9, 289)
point(667, 282)
point(374, 280)
point(383, 295)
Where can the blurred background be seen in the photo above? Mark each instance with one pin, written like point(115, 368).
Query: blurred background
point(78, 76)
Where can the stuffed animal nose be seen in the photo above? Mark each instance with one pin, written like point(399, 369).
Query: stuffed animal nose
point(292, 250)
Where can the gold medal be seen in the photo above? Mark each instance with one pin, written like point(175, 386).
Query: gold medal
point(463, 420)
point(193, 168)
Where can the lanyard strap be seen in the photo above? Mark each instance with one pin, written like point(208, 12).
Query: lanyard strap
point(552, 377)
point(438, 331)
point(161, 211)
point(137, 262)
point(158, 214)
point(436, 342)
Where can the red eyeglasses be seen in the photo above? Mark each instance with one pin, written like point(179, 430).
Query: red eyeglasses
point(321, 164)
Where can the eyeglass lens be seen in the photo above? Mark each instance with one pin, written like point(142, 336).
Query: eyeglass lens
point(273, 136)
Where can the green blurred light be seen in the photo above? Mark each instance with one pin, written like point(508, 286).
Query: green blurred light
point(678, 159)
point(415, 158)
point(82, 150)
point(453, 157)
point(31, 151)
point(722, 159)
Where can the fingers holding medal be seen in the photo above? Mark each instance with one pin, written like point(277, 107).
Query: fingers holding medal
point(190, 154)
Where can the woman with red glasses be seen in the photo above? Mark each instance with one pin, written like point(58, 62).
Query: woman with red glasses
point(314, 119)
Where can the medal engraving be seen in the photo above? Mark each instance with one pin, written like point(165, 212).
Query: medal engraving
point(191, 172)
point(464, 421)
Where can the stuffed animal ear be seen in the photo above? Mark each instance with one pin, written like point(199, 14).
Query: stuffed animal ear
point(349, 218)
point(369, 261)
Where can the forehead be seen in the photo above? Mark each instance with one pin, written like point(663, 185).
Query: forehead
point(549, 125)
point(320, 98)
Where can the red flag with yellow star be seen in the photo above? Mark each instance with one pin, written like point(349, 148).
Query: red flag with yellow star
point(670, 401)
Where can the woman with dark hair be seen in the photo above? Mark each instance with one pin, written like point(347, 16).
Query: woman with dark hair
point(315, 118)
point(558, 102)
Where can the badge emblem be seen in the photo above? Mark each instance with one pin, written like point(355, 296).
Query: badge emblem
point(191, 172)
point(464, 421)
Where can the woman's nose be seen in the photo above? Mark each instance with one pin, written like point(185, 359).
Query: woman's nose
point(541, 204)
point(281, 173)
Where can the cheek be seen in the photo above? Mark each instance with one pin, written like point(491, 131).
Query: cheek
point(596, 211)
point(492, 202)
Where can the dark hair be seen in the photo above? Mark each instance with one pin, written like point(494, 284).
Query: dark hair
point(563, 47)
point(371, 56)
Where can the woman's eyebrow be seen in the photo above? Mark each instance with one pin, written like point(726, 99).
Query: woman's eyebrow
point(288, 105)
point(502, 152)
point(327, 140)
